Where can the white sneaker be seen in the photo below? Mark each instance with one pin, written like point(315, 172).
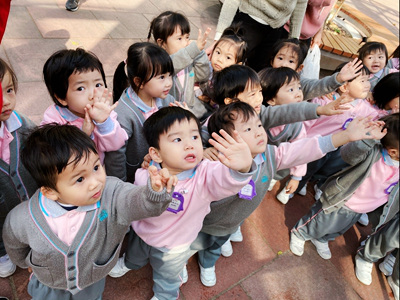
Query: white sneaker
point(296, 245)
point(363, 220)
point(318, 192)
point(363, 270)
point(322, 249)
point(226, 249)
point(154, 298)
point(119, 269)
point(303, 190)
point(387, 265)
point(207, 276)
point(394, 287)
point(272, 184)
point(7, 267)
point(283, 197)
point(185, 275)
point(236, 236)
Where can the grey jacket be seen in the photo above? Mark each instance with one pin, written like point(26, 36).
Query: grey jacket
point(318, 87)
point(361, 156)
point(96, 246)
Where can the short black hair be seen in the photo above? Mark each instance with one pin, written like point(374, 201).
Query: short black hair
point(4, 68)
point(294, 45)
point(162, 120)
point(386, 90)
point(164, 25)
point(391, 139)
point(370, 47)
point(272, 79)
point(62, 64)
point(231, 81)
point(224, 117)
point(234, 35)
point(48, 151)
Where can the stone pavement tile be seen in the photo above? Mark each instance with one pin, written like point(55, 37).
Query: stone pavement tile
point(235, 293)
point(176, 5)
point(5, 288)
point(21, 279)
point(248, 257)
point(81, 23)
point(20, 25)
point(291, 277)
point(142, 7)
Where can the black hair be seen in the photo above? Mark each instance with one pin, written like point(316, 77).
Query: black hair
point(231, 81)
point(48, 150)
point(224, 117)
point(62, 64)
point(299, 48)
point(391, 139)
point(272, 79)
point(364, 70)
point(144, 61)
point(162, 120)
point(4, 69)
point(370, 47)
point(386, 90)
point(234, 35)
point(165, 24)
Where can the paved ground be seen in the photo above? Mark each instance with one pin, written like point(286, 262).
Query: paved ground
point(262, 267)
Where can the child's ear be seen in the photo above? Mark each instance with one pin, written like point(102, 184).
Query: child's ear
point(271, 102)
point(228, 101)
point(298, 70)
point(49, 193)
point(393, 153)
point(160, 43)
point(136, 81)
point(155, 155)
point(62, 101)
point(343, 88)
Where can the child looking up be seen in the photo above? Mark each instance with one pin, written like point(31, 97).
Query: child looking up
point(171, 30)
point(282, 86)
point(374, 56)
point(76, 82)
point(291, 53)
point(16, 182)
point(79, 217)
point(173, 134)
point(142, 84)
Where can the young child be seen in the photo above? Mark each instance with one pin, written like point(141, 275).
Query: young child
point(170, 30)
point(374, 56)
point(386, 94)
point(76, 82)
point(16, 182)
point(142, 85)
point(282, 86)
point(291, 53)
point(78, 217)
point(227, 214)
point(369, 182)
point(164, 241)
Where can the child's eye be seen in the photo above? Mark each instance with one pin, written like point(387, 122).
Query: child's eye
point(80, 88)
point(280, 58)
point(96, 167)
point(291, 90)
point(9, 91)
point(217, 52)
point(177, 140)
point(99, 84)
point(80, 179)
point(291, 61)
point(195, 137)
point(162, 76)
point(247, 129)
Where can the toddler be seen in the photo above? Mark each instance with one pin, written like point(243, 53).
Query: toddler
point(141, 86)
point(16, 182)
point(76, 82)
point(164, 241)
point(171, 30)
point(79, 217)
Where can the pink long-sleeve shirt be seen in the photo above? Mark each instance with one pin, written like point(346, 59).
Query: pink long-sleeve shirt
point(108, 136)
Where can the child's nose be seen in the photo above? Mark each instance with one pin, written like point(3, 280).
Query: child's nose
point(189, 145)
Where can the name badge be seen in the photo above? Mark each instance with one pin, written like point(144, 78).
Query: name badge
point(346, 123)
point(389, 189)
point(176, 204)
point(248, 191)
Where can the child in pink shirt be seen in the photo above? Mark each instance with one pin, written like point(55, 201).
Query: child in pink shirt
point(76, 82)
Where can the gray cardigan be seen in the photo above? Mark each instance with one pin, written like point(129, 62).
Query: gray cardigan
point(96, 246)
point(318, 87)
point(361, 156)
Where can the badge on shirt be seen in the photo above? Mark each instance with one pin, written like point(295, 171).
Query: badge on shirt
point(390, 188)
point(346, 123)
point(248, 191)
point(176, 204)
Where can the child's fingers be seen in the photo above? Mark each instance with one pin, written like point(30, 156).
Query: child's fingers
point(207, 32)
point(218, 142)
point(112, 107)
point(172, 181)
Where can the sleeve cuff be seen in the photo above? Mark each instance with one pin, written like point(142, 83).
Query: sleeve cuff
point(106, 127)
point(325, 144)
point(239, 176)
point(296, 177)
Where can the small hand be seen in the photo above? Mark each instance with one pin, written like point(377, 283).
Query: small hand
point(180, 104)
point(101, 108)
point(211, 154)
point(146, 161)
point(88, 125)
point(161, 179)
point(335, 107)
point(202, 38)
point(350, 70)
point(292, 186)
point(364, 128)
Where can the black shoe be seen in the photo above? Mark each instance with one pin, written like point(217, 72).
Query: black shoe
point(72, 5)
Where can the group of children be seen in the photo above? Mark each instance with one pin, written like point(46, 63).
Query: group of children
point(182, 151)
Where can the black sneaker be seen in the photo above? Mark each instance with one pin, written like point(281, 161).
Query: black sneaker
point(72, 5)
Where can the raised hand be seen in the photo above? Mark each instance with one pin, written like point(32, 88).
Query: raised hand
point(180, 104)
point(202, 38)
point(364, 128)
point(233, 151)
point(161, 179)
point(101, 108)
point(211, 154)
point(350, 70)
point(335, 107)
point(88, 125)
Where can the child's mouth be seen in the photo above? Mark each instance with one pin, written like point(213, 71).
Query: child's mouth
point(190, 158)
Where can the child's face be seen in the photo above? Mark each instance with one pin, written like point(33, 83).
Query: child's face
point(252, 95)
point(81, 87)
point(359, 87)
point(375, 61)
point(285, 57)
point(253, 133)
point(289, 93)
point(176, 41)
point(9, 97)
point(157, 87)
point(393, 104)
point(81, 184)
point(180, 148)
point(223, 56)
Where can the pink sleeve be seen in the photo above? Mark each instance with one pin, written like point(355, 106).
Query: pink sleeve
point(141, 176)
point(112, 140)
point(300, 170)
point(51, 115)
